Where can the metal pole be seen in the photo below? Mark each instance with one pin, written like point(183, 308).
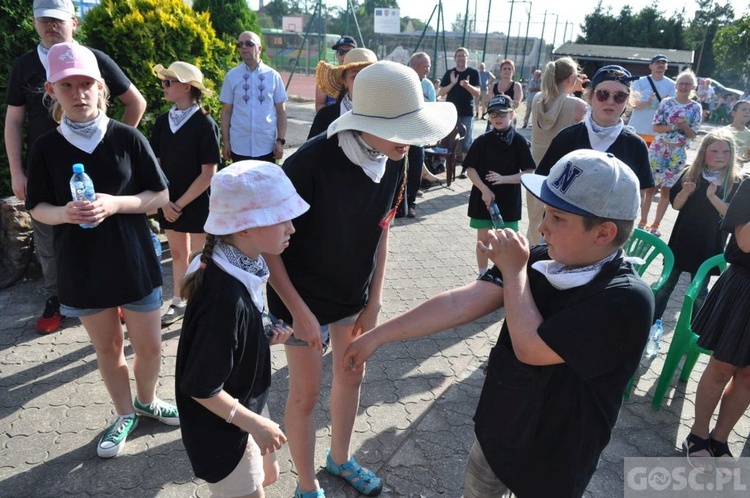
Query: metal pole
point(424, 30)
point(510, 21)
point(525, 40)
point(541, 41)
point(486, 31)
point(437, 34)
point(554, 33)
point(565, 33)
point(466, 23)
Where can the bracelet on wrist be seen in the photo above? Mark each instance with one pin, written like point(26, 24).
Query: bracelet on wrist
point(233, 411)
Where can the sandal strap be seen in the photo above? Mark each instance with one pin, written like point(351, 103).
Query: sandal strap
point(695, 444)
point(363, 480)
point(719, 449)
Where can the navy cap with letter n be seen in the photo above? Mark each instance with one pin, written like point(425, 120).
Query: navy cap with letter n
point(588, 183)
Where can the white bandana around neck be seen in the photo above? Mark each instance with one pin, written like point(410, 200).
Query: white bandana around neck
point(253, 282)
point(346, 104)
point(601, 137)
point(713, 176)
point(43, 57)
point(357, 151)
point(562, 278)
point(178, 117)
point(85, 136)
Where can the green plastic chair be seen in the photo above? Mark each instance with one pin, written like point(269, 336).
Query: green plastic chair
point(684, 340)
point(648, 247)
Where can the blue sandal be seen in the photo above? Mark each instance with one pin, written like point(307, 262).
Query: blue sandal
point(318, 493)
point(363, 480)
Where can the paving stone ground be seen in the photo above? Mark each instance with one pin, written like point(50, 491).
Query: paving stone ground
point(414, 426)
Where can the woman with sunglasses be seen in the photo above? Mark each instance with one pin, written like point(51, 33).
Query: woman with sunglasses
point(603, 128)
point(676, 122)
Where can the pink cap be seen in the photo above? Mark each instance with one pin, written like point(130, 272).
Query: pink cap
point(72, 59)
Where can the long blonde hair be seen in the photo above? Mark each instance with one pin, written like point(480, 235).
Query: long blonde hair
point(731, 176)
point(555, 72)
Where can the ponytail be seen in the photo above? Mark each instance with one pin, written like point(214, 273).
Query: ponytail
point(555, 72)
point(192, 283)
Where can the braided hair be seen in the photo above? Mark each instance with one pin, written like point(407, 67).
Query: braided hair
point(192, 283)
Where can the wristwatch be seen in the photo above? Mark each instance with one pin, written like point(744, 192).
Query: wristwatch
point(283, 142)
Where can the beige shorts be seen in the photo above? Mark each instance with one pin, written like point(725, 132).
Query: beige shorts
point(247, 477)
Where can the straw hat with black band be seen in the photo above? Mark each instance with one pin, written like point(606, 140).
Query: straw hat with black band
point(330, 78)
point(403, 117)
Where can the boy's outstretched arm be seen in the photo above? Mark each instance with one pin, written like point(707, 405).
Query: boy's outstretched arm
point(509, 250)
point(448, 309)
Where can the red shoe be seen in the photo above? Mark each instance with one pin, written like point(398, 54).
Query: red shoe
point(51, 319)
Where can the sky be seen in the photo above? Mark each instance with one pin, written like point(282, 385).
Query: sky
point(571, 12)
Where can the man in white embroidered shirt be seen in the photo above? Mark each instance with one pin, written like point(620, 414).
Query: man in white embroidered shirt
point(253, 115)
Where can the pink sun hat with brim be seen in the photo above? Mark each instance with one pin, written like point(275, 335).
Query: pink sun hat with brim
point(71, 59)
point(250, 194)
point(391, 106)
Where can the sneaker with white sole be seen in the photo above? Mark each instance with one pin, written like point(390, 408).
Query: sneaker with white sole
point(113, 441)
point(172, 314)
point(162, 411)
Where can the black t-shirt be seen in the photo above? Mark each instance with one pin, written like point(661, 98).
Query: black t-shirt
point(543, 429)
point(737, 214)
point(222, 346)
point(490, 153)
point(182, 156)
point(26, 88)
point(324, 117)
point(459, 96)
point(114, 263)
point(697, 234)
point(331, 256)
point(628, 148)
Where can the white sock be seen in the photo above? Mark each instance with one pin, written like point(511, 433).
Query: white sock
point(482, 270)
point(179, 302)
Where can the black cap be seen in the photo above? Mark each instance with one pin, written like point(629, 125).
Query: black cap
point(659, 57)
point(612, 73)
point(500, 103)
point(345, 41)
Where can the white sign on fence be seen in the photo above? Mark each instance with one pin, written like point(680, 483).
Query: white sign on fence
point(388, 21)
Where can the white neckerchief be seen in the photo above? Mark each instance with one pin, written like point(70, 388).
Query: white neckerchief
point(43, 57)
point(346, 104)
point(562, 278)
point(84, 136)
point(601, 137)
point(357, 151)
point(713, 176)
point(178, 117)
point(252, 282)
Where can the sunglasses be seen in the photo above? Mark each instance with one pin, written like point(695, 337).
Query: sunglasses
point(167, 83)
point(619, 97)
point(51, 20)
point(246, 43)
point(497, 114)
point(342, 51)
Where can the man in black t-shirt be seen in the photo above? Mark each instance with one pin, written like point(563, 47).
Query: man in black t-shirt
point(461, 85)
point(577, 316)
point(55, 22)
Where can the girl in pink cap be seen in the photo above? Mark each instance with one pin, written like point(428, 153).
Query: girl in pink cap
point(112, 264)
point(223, 361)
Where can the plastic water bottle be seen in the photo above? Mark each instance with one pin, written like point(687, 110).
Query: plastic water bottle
point(497, 218)
point(654, 339)
point(82, 188)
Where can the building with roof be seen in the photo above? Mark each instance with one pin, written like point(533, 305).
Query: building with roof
point(634, 59)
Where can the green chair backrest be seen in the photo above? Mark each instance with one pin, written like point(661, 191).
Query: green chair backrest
point(647, 246)
point(704, 271)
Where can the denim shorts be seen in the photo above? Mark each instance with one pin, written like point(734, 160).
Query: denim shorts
point(324, 332)
point(149, 303)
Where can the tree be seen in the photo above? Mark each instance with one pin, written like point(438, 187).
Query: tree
point(229, 18)
point(700, 34)
point(646, 28)
point(731, 47)
point(141, 33)
point(18, 37)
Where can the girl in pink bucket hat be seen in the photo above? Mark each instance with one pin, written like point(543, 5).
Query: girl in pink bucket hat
point(329, 283)
point(186, 141)
point(114, 263)
point(223, 360)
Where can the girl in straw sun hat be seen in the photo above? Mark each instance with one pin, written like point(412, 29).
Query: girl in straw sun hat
point(350, 177)
point(186, 142)
point(223, 370)
point(339, 81)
